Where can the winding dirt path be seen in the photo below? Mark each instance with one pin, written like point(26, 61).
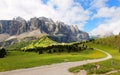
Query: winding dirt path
point(55, 69)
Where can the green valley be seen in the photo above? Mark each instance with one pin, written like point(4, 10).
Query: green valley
point(57, 53)
point(53, 52)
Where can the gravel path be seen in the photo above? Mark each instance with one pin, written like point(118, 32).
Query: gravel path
point(54, 69)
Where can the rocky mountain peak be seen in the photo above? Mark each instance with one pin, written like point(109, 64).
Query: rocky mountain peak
point(46, 19)
point(42, 25)
point(19, 19)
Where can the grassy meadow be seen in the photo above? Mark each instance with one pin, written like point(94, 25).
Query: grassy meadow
point(19, 59)
point(105, 66)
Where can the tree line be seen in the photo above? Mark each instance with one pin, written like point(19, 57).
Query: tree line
point(76, 47)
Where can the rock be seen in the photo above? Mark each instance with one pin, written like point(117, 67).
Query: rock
point(59, 30)
point(82, 72)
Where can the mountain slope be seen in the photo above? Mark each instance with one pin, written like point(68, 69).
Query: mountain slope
point(40, 42)
point(41, 25)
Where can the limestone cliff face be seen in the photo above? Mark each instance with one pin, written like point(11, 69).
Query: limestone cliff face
point(59, 30)
point(13, 27)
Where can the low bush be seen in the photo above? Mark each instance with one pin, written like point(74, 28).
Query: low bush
point(2, 52)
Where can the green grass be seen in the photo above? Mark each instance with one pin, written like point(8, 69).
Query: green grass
point(113, 41)
point(43, 41)
point(18, 59)
point(105, 66)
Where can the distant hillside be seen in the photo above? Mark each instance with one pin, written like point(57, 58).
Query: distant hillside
point(40, 42)
point(113, 41)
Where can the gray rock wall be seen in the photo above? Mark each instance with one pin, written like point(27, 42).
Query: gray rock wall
point(45, 25)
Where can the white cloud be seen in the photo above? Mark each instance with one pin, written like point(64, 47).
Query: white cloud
point(112, 21)
point(14, 8)
point(106, 12)
point(96, 4)
point(108, 27)
point(70, 12)
point(61, 4)
point(67, 10)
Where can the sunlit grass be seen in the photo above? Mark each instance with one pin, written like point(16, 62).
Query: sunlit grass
point(105, 66)
point(19, 59)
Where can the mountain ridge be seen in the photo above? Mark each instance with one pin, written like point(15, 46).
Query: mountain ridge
point(20, 28)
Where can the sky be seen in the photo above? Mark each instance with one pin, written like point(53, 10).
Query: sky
point(97, 17)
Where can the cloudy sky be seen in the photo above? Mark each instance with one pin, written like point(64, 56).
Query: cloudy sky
point(93, 16)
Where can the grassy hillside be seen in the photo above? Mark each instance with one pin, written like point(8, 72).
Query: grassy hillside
point(113, 41)
point(110, 45)
point(41, 42)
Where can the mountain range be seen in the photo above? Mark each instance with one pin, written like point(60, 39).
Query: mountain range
point(19, 29)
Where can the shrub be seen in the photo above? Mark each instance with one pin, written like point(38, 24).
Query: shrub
point(49, 51)
point(40, 52)
point(2, 53)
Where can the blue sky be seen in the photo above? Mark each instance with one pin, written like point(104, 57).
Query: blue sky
point(97, 17)
point(91, 24)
